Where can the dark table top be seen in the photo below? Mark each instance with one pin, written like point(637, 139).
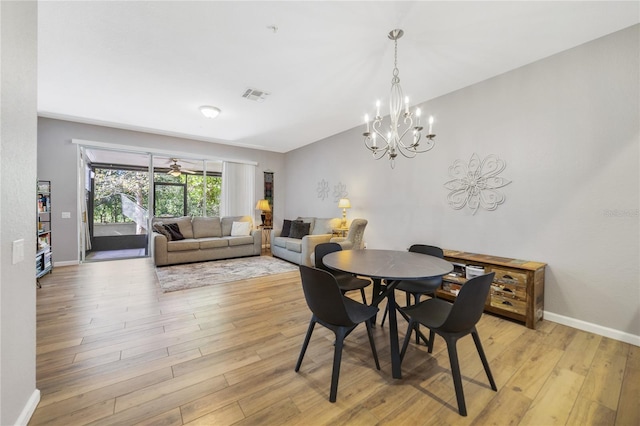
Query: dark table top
point(388, 264)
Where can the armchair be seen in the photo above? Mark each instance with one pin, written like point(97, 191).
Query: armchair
point(354, 238)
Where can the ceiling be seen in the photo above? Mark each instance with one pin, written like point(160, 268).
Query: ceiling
point(149, 65)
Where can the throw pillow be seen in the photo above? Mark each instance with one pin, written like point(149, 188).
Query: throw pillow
point(204, 227)
point(299, 229)
point(157, 227)
point(174, 230)
point(325, 225)
point(286, 227)
point(240, 229)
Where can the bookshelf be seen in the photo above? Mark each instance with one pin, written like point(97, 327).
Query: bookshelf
point(44, 261)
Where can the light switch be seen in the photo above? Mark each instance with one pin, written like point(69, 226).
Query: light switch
point(18, 251)
point(66, 215)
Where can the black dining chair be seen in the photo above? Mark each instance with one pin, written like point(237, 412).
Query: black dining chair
point(346, 282)
point(336, 312)
point(453, 321)
point(418, 288)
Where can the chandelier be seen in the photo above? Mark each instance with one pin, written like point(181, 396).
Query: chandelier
point(390, 142)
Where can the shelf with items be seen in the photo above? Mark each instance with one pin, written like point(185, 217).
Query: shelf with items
point(44, 262)
point(517, 291)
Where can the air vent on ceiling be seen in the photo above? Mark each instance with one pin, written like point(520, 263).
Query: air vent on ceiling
point(255, 95)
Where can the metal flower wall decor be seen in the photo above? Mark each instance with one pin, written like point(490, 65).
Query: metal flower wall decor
point(323, 189)
point(340, 191)
point(475, 184)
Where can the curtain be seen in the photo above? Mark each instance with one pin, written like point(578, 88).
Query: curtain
point(238, 189)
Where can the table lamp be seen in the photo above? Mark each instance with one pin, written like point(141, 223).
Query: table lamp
point(264, 206)
point(344, 204)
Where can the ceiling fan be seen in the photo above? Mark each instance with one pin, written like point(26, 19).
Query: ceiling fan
point(176, 169)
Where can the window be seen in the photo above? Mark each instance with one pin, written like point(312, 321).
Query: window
point(184, 195)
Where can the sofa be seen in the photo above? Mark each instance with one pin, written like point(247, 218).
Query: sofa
point(297, 248)
point(186, 239)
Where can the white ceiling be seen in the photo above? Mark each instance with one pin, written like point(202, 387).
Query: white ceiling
point(149, 65)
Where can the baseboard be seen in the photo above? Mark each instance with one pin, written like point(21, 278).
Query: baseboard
point(593, 328)
point(29, 409)
point(66, 263)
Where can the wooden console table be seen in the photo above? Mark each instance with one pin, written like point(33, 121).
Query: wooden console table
point(517, 291)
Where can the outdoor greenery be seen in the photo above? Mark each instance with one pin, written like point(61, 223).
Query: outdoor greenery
point(109, 184)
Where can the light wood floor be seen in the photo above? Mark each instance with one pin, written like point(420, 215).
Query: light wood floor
point(113, 349)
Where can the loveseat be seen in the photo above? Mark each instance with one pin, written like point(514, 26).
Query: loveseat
point(299, 241)
point(204, 238)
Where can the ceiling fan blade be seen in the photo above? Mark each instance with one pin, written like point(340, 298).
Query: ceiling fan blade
point(188, 171)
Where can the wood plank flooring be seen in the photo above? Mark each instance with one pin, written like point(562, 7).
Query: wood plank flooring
point(112, 349)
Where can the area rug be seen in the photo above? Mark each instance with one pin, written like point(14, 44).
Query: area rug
point(193, 275)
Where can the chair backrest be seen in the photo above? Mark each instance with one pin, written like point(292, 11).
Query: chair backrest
point(324, 297)
point(323, 249)
point(469, 304)
point(356, 233)
point(430, 251)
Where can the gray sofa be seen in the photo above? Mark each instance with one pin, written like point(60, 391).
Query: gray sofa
point(299, 250)
point(205, 238)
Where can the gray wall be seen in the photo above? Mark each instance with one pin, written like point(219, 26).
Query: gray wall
point(18, 115)
point(57, 159)
point(567, 127)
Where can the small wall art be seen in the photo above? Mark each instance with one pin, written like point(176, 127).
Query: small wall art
point(323, 189)
point(475, 184)
point(340, 191)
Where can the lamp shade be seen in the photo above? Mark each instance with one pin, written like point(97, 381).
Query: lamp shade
point(344, 203)
point(263, 205)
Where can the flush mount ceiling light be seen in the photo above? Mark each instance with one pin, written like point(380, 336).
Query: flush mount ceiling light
point(209, 111)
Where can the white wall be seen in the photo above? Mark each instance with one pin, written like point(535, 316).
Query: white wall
point(57, 162)
point(567, 127)
point(18, 50)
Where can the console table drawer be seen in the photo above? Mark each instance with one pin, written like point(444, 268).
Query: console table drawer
point(509, 291)
point(508, 276)
point(511, 304)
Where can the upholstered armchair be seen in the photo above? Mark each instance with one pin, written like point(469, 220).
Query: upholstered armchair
point(355, 237)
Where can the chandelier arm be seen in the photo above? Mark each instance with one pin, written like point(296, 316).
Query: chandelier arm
point(427, 146)
point(410, 127)
point(407, 153)
point(380, 153)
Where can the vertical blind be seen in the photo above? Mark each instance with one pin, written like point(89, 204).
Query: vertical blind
point(238, 189)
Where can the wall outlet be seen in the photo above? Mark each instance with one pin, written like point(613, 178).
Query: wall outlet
point(66, 215)
point(365, 244)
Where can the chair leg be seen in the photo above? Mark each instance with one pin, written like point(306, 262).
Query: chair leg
point(432, 337)
point(416, 297)
point(337, 358)
point(407, 338)
point(364, 298)
point(312, 324)
point(483, 358)
point(455, 372)
point(384, 317)
point(373, 345)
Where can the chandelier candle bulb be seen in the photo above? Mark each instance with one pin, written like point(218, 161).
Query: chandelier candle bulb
point(431, 125)
point(373, 143)
point(366, 120)
point(418, 112)
point(406, 105)
point(378, 108)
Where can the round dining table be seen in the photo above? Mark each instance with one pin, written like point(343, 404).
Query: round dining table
point(392, 266)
